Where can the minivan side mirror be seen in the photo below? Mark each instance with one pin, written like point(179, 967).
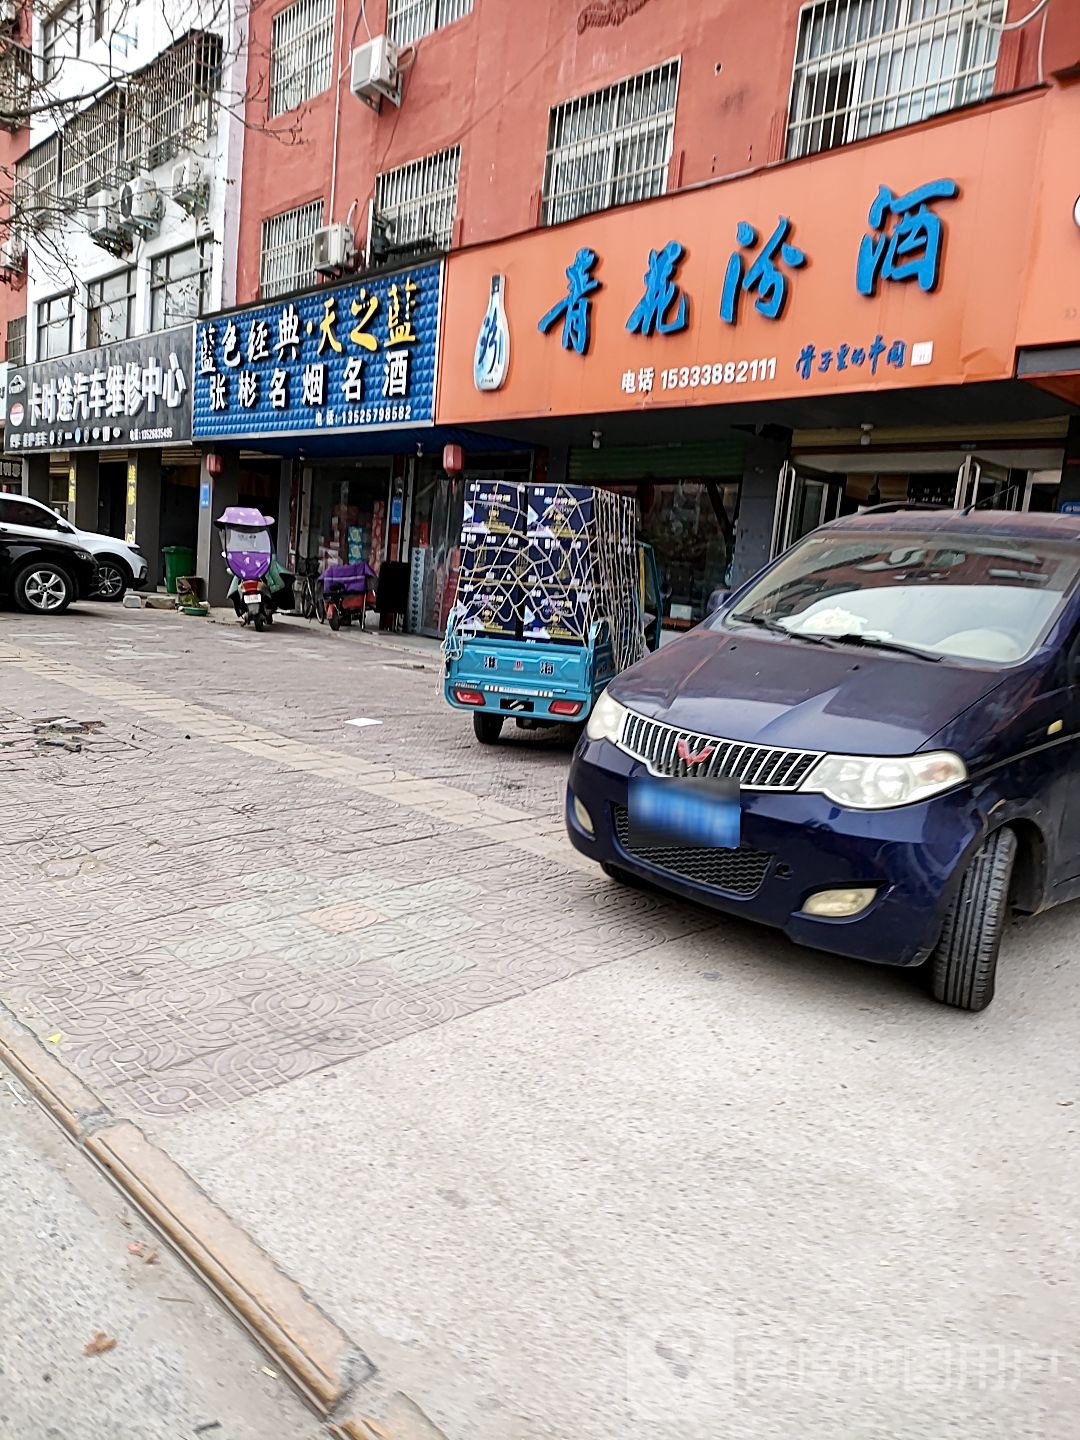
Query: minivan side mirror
point(65, 528)
point(716, 600)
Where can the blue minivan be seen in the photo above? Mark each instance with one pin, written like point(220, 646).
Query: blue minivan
point(887, 719)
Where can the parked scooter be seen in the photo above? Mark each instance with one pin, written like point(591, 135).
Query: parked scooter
point(260, 587)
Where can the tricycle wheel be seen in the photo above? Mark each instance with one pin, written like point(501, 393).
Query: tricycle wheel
point(487, 728)
point(333, 615)
point(964, 965)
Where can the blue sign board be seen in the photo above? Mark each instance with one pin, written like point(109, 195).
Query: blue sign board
point(204, 495)
point(1070, 507)
point(357, 357)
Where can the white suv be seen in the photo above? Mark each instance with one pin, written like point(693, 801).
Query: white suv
point(119, 564)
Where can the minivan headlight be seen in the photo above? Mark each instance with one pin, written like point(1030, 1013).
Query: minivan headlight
point(606, 720)
point(864, 782)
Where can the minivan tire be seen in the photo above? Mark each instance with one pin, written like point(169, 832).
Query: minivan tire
point(43, 588)
point(964, 965)
point(113, 580)
point(487, 728)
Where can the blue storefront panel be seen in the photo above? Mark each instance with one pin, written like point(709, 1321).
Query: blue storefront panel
point(357, 358)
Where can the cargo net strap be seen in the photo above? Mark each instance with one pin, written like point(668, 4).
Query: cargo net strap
point(616, 566)
point(562, 572)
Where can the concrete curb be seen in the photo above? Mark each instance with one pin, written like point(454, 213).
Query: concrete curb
point(317, 1355)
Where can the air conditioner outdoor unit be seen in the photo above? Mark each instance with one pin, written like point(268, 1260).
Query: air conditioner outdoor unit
point(190, 188)
point(105, 223)
point(335, 249)
point(13, 254)
point(141, 206)
point(376, 75)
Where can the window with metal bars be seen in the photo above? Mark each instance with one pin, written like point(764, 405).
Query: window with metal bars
point(55, 323)
point(287, 258)
point(409, 20)
point(301, 53)
point(172, 103)
point(16, 83)
point(415, 204)
point(180, 285)
point(16, 340)
point(866, 66)
point(37, 179)
point(611, 147)
point(110, 308)
point(93, 143)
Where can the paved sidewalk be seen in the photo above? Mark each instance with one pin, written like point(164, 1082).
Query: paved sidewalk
point(79, 1263)
point(563, 1159)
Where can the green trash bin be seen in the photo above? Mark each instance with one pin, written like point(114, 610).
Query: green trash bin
point(179, 560)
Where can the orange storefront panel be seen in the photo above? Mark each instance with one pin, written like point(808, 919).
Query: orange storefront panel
point(620, 347)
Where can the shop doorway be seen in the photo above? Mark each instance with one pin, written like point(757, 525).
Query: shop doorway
point(803, 502)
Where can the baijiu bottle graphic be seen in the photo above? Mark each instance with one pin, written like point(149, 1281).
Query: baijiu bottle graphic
point(492, 360)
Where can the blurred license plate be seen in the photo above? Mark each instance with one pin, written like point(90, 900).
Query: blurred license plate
point(699, 813)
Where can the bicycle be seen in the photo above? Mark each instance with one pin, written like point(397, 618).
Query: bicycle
point(310, 600)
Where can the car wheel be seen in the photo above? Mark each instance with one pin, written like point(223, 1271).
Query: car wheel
point(487, 728)
point(113, 580)
point(964, 965)
point(43, 589)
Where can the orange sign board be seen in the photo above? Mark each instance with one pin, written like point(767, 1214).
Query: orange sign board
point(797, 322)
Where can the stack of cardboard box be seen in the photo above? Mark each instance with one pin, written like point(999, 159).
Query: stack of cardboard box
point(545, 562)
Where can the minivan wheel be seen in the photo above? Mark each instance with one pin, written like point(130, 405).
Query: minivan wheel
point(113, 580)
point(964, 965)
point(43, 589)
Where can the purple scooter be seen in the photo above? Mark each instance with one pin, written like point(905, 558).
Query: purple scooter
point(260, 586)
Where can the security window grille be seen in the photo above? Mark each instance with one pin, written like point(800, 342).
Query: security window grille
point(55, 318)
point(611, 147)
point(37, 178)
point(287, 260)
point(866, 66)
point(92, 146)
point(415, 205)
point(408, 20)
point(172, 103)
point(301, 53)
point(110, 308)
point(180, 285)
point(16, 340)
point(16, 83)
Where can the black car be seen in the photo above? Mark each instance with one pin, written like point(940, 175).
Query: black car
point(44, 576)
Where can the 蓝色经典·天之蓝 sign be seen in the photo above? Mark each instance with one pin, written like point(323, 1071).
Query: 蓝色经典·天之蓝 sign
point(359, 356)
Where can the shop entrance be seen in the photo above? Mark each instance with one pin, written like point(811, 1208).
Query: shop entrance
point(803, 502)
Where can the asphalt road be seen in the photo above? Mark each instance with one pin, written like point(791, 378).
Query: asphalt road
point(563, 1159)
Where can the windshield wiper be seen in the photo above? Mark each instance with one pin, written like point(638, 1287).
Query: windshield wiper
point(875, 642)
point(776, 628)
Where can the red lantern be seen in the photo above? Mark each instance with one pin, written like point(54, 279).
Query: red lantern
point(453, 459)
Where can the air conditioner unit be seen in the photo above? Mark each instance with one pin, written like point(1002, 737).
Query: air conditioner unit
point(190, 188)
point(13, 254)
point(106, 224)
point(141, 206)
point(335, 249)
point(376, 75)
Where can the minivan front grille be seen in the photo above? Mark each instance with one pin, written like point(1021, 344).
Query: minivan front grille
point(738, 872)
point(667, 750)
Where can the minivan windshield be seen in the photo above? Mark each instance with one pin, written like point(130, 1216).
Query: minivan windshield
point(987, 598)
